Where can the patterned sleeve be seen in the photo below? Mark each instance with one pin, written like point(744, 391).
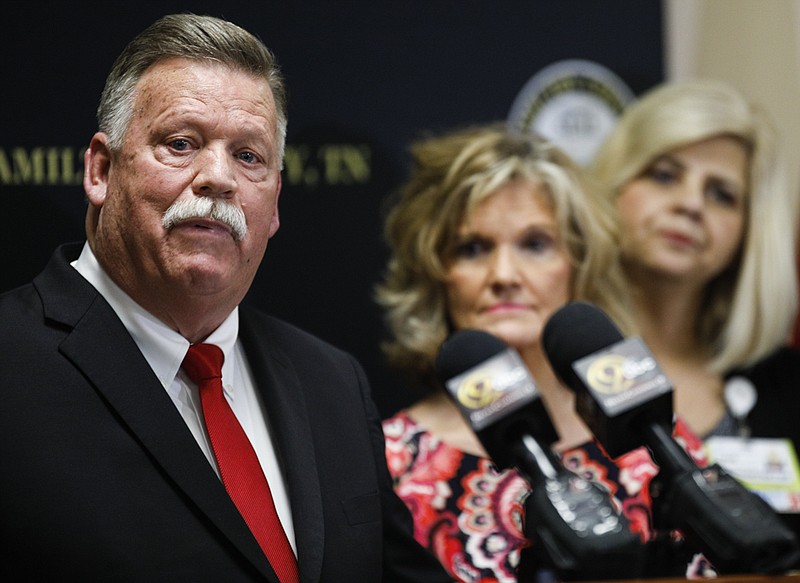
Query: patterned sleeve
point(399, 451)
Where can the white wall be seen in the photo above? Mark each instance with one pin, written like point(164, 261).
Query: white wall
point(752, 44)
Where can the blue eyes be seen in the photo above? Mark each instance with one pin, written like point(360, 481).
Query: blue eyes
point(476, 248)
point(180, 145)
point(183, 145)
point(248, 157)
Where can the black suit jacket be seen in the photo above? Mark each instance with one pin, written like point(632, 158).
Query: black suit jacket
point(102, 480)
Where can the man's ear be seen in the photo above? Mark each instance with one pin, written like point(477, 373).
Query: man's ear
point(275, 222)
point(96, 166)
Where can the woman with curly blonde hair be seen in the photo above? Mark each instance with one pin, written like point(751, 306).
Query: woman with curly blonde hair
point(453, 175)
point(493, 231)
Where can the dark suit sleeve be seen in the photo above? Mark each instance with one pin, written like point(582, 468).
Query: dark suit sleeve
point(404, 560)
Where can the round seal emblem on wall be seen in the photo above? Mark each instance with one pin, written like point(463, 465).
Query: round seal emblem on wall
point(573, 103)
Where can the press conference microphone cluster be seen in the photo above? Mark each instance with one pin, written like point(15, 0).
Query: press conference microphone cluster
point(573, 519)
point(626, 400)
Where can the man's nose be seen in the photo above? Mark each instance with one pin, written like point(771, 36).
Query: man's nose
point(215, 173)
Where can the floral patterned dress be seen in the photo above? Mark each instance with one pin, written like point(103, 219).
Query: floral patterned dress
point(470, 515)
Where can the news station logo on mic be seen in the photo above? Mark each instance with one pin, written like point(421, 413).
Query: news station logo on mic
point(573, 103)
point(492, 389)
point(623, 376)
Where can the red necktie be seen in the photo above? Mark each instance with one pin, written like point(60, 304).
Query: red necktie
point(238, 465)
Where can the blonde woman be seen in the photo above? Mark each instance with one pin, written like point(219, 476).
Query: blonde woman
point(708, 247)
point(493, 231)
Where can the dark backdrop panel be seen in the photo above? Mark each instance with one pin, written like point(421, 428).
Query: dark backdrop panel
point(364, 78)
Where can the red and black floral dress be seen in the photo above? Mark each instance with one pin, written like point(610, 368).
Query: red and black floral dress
point(470, 515)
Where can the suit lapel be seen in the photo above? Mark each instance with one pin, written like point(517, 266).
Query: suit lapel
point(102, 349)
point(285, 404)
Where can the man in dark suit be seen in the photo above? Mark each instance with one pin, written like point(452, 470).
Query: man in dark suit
point(111, 468)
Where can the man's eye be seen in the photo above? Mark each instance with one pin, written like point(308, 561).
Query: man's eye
point(248, 157)
point(179, 144)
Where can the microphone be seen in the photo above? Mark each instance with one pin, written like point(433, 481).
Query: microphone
point(626, 400)
point(573, 520)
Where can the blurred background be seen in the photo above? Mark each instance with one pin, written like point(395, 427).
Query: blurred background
point(365, 78)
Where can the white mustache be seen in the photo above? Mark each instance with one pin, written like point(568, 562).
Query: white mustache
point(203, 207)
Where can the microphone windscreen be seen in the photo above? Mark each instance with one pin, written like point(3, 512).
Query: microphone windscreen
point(576, 331)
point(466, 349)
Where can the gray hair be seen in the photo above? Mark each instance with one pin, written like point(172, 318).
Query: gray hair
point(200, 38)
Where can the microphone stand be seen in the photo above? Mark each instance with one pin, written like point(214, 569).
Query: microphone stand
point(736, 529)
point(573, 520)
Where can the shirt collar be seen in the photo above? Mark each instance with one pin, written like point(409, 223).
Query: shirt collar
point(162, 347)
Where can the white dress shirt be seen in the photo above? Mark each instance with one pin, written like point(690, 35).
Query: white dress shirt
point(164, 349)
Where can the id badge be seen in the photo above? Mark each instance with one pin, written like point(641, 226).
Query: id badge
point(767, 466)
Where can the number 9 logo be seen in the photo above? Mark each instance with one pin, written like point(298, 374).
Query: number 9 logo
point(476, 392)
point(605, 375)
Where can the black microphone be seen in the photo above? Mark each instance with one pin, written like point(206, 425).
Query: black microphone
point(626, 400)
point(582, 533)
